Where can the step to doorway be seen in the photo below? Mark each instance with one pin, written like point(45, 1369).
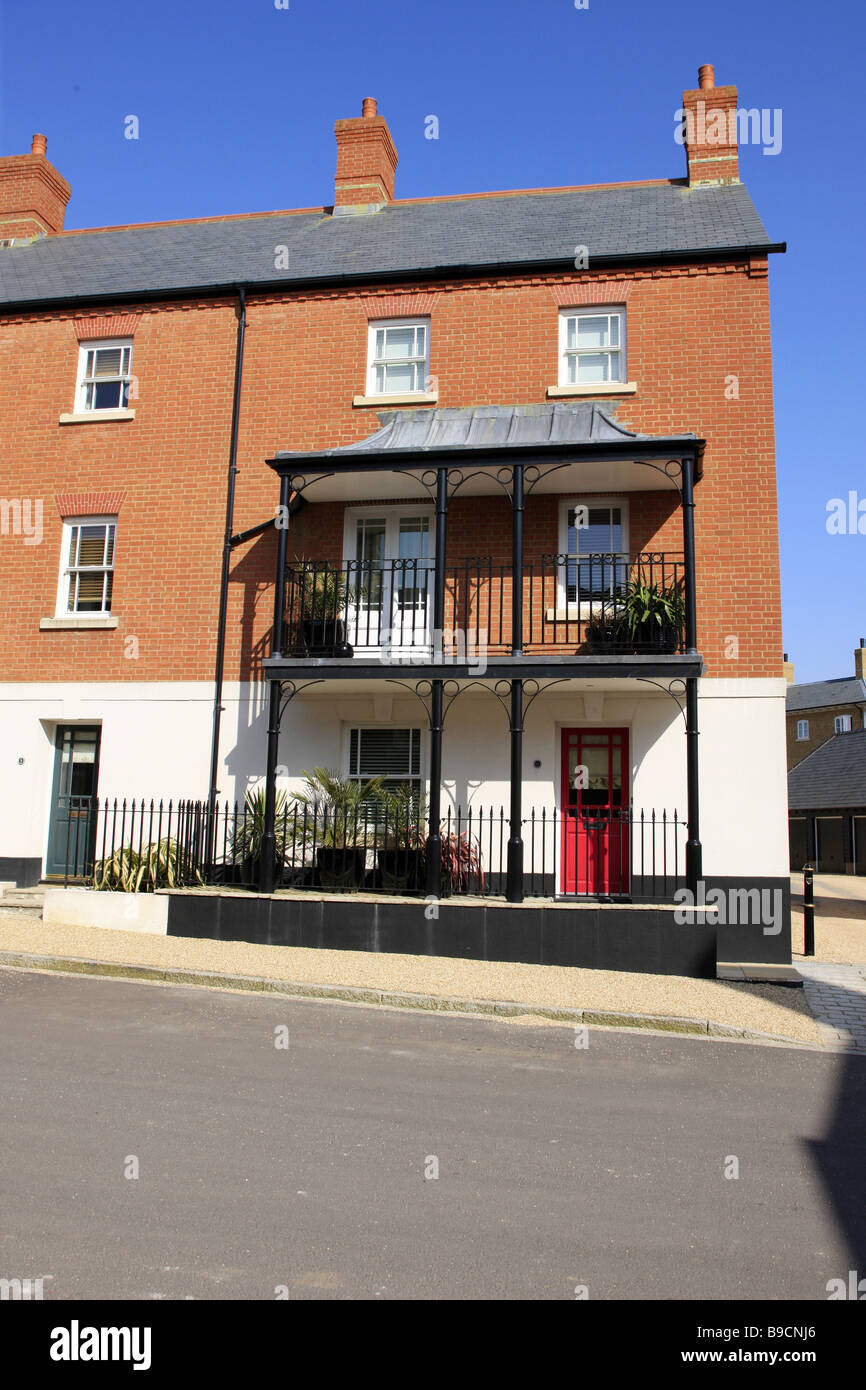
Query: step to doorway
point(27, 902)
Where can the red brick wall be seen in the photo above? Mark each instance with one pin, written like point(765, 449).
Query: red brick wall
point(690, 331)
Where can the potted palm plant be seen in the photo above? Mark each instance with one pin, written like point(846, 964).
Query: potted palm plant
point(247, 837)
point(401, 860)
point(653, 615)
point(323, 596)
point(338, 818)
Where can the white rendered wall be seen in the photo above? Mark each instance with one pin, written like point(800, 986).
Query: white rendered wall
point(156, 743)
point(744, 777)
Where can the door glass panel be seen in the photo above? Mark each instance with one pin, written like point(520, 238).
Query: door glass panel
point(370, 557)
point(78, 763)
point(597, 789)
point(412, 577)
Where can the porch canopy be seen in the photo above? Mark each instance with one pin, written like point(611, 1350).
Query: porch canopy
point(568, 446)
point(433, 454)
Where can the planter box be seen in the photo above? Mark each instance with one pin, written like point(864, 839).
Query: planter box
point(656, 637)
point(325, 637)
point(342, 868)
point(401, 869)
point(608, 637)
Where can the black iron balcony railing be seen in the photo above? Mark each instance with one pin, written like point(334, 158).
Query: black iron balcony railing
point(599, 852)
point(605, 602)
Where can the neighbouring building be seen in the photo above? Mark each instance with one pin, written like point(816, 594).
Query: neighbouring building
point(817, 710)
point(827, 806)
point(827, 771)
point(499, 476)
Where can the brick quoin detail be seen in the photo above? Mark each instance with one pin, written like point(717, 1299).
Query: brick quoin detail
point(106, 326)
point(89, 503)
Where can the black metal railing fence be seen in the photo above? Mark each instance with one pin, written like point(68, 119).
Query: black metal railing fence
point(595, 852)
point(610, 600)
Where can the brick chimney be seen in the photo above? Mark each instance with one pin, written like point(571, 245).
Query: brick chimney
point(859, 655)
point(709, 131)
point(787, 669)
point(33, 195)
point(366, 161)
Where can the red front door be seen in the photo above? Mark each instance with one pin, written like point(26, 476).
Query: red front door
point(594, 800)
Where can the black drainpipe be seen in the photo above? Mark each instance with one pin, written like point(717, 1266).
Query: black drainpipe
point(227, 551)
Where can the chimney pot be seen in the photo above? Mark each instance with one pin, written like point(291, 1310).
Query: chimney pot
point(39, 145)
point(706, 76)
point(370, 106)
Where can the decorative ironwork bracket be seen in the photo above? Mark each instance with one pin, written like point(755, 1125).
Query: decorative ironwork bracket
point(289, 689)
point(675, 694)
point(500, 690)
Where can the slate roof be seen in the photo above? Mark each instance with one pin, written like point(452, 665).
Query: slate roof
point(404, 237)
point(482, 428)
point(846, 690)
point(833, 777)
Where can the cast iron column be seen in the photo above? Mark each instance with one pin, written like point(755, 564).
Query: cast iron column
point(514, 872)
point(694, 868)
point(434, 838)
point(268, 863)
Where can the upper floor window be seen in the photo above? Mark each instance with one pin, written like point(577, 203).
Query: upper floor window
point(594, 538)
point(842, 724)
point(104, 375)
point(802, 730)
point(87, 572)
point(591, 346)
point(398, 357)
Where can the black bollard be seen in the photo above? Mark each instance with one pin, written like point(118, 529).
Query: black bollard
point(808, 912)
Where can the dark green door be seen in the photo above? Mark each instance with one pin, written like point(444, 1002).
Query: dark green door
point(73, 800)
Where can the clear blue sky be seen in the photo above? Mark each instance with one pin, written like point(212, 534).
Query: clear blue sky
point(237, 101)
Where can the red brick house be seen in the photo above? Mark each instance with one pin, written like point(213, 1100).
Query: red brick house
point(465, 440)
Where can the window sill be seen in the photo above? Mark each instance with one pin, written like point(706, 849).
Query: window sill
point(79, 622)
point(96, 417)
point(408, 398)
point(599, 388)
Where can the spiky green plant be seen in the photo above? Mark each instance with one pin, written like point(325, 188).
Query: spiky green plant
point(403, 816)
point(128, 870)
point(650, 604)
point(247, 837)
point(338, 809)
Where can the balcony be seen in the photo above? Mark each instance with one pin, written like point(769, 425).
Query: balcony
point(604, 605)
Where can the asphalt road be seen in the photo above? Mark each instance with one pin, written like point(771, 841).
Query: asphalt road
point(305, 1167)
